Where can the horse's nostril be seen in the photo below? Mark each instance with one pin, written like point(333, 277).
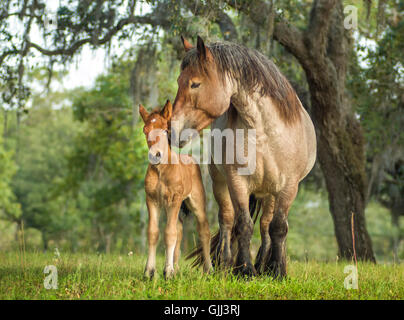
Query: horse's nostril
point(158, 155)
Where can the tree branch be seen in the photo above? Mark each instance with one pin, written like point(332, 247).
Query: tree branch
point(292, 39)
point(147, 19)
point(317, 31)
point(286, 34)
point(5, 54)
point(226, 25)
point(257, 10)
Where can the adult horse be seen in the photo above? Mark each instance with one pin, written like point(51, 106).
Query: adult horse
point(233, 87)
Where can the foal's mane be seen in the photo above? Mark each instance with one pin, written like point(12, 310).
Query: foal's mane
point(252, 71)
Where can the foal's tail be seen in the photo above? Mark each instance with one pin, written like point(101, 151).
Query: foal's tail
point(254, 207)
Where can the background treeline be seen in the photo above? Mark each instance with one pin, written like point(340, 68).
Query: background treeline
point(72, 162)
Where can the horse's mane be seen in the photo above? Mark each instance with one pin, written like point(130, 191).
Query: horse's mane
point(253, 72)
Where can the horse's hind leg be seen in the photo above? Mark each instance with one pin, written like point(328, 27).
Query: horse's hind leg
point(266, 217)
point(278, 229)
point(152, 237)
point(177, 250)
point(244, 225)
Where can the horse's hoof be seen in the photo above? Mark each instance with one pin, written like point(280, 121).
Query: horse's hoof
point(276, 270)
point(246, 270)
point(258, 267)
point(208, 270)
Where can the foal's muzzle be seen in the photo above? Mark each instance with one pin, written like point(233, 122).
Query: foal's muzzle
point(155, 158)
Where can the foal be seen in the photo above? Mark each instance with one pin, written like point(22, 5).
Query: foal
point(170, 180)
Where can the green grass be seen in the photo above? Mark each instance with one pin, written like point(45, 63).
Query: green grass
point(91, 276)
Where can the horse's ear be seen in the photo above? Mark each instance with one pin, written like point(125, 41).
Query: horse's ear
point(143, 113)
point(203, 51)
point(186, 44)
point(167, 110)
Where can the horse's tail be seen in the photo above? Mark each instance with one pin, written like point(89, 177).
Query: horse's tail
point(197, 252)
point(254, 207)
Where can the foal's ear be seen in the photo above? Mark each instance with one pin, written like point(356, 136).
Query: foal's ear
point(143, 113)
point(167, 110)
point(186, 44)
point(203, 51)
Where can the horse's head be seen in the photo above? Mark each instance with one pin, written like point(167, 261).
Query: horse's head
point(202, 94)
point(156, 132)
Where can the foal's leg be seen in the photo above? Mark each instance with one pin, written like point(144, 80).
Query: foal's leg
point(278, 229)
point(170, 237)
point(244, 225)
point(197, 205)
point(266, 217)
point(152, 236)
point(177, 251)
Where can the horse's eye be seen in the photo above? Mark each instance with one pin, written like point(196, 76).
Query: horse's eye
point(195, 85)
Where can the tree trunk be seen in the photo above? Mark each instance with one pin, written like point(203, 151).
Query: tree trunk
point(341, 157)
point(341, 151)
point(323, 50)
point(108, 241)
point(45, 241)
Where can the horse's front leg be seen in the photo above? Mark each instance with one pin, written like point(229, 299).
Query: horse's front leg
point(244, 225)
point(223, 254)
point(170, 237)
point(152, 237)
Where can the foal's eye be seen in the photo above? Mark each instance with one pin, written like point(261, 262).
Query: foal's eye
point(195, 85)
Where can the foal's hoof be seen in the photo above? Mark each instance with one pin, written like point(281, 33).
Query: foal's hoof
point(149, 273)
point(169, 273)
point(246, 270)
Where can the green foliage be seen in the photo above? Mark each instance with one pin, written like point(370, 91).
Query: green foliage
point(9, 208)
point(376, 83)
point(43, 140)
point(108, 161)
point(376, 79)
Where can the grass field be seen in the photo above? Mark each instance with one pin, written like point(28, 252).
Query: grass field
point(91, 276)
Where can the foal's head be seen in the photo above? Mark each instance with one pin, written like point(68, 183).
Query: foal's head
point(202, 94)
point(155, 128)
